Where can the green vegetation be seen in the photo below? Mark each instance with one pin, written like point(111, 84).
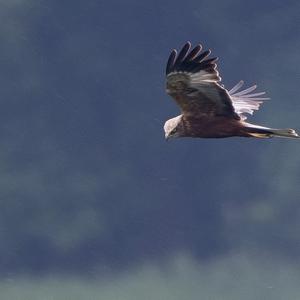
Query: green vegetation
point(232, 278)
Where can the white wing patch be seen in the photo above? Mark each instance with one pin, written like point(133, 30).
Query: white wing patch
point(245, 101)
point(204, 77)
point(199, 78)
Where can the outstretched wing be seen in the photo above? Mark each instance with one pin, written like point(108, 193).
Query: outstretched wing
point(193, 81)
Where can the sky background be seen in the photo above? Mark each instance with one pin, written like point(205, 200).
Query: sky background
point(95, 202)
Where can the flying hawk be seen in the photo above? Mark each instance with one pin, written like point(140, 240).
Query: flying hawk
point(208, 110)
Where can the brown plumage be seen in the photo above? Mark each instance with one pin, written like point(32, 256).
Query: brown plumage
point(208, 110)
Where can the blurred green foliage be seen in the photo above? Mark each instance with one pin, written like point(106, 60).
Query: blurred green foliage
point(230, 278)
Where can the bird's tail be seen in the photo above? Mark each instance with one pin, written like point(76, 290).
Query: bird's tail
point(265, 132)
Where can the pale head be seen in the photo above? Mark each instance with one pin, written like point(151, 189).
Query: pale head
point(171, 127)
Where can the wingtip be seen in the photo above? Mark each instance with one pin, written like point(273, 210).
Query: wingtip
point(171, 61)
point(191, 59)
point(188, 43)
point(199, 46)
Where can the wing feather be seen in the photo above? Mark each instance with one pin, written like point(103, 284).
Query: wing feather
point(194, 53)
point(194, 82)
point(171, 61)
point(182, 55)
point(245, 101)
point(202, 56)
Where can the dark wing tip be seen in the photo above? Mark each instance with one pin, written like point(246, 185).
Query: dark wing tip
point(182, 55)
point(195, 52)
point(189, 60)
point(188, 44)
point(201, 57)
point(171, 61)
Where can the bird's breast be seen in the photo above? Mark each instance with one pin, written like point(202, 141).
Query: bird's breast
point(211, 127)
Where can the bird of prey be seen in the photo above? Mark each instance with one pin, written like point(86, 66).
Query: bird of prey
point(208, 110)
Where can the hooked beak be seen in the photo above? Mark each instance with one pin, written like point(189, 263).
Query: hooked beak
point(167, 137)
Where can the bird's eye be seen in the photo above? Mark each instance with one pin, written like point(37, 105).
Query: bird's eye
point(174, 131)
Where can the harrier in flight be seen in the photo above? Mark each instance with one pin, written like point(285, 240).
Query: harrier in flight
point(208, 110)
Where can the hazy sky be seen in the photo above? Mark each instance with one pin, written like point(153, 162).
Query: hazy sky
point(86, 176)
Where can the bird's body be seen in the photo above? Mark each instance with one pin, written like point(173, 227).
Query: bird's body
point(207, 127)
point(208, 109)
